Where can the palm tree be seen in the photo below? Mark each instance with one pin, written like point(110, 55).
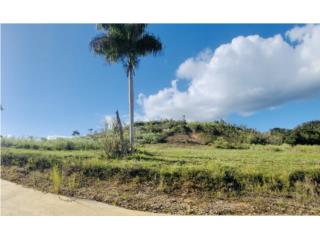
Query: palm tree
point(125, 43)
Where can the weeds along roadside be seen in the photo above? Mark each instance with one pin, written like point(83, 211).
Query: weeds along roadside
point(73, 168)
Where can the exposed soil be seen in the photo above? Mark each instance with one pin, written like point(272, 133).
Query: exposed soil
point(141, 196)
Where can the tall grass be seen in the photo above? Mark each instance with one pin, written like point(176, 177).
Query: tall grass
point(76, 143)
point(201, 168)
point(56, 177)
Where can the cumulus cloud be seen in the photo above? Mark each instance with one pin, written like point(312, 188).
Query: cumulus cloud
point(243, 76)
point(109, 121)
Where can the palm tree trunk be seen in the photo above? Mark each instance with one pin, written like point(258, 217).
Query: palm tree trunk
point(131, 107)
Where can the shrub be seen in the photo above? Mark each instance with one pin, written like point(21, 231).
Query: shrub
point(231, 182)
point(182, 127)
point(39, 163)
point(221, 143)
point(114, 148)
point(151, 138)
point(275, 139)
point(171, 180)
point(277, 184)
point(202, 180)
point(225, 144)
point(142, 174)
point(100, 172)
point(256, 179)
point(196, 127)
point(306, 133)
point(259, 138)
point(9, 159)
point(295, 177)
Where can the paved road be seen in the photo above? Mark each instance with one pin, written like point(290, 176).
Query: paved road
point(18, 200)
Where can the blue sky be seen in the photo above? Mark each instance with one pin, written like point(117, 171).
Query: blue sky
point(51, 84)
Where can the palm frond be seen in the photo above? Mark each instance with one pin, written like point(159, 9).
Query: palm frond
point(148, 44)
point(125, 43)
point(135, 31)
point(113, 48)
point(97, 44)
point(103, 27)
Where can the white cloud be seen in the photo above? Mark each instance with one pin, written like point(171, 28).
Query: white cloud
point(109, 121)
point(246, 75)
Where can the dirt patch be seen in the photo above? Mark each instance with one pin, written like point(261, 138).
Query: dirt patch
point(192, 139)
point(147, 197)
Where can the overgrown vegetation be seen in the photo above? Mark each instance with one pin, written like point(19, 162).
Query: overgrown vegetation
point(113, 141)
point(306, 133)
point(76, 143)
point(198, 168)
point(56, 177)
point(219, 133)
point(175, 158)
point(224, 135)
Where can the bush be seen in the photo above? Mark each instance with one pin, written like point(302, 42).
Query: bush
point(10, 159)
point(101, 172)
point(143, 174)
point(306, 133)
point(277, 184)
point(256, 179)
point(231, 182)
point(114, 148)
point(196, 127)
point(295, 177)
point(151, 138)
point(275, 139)
point(225, 144)
point(278, 136)
point(259, 138)
point(171, 180)
point(39, 163)
point(202, 180)
point(30, 160)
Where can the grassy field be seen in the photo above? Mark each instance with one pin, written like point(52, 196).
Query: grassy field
point(179, 171)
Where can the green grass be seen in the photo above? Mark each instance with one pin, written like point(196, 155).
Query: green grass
point(56, 177)
point(203, 168)
point(75, 143)
point(266, 159)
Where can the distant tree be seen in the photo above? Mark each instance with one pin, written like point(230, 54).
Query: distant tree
point(75, 133)
point(282, 131)
point(126, 43)
point(278, 135)
point(306, 133)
